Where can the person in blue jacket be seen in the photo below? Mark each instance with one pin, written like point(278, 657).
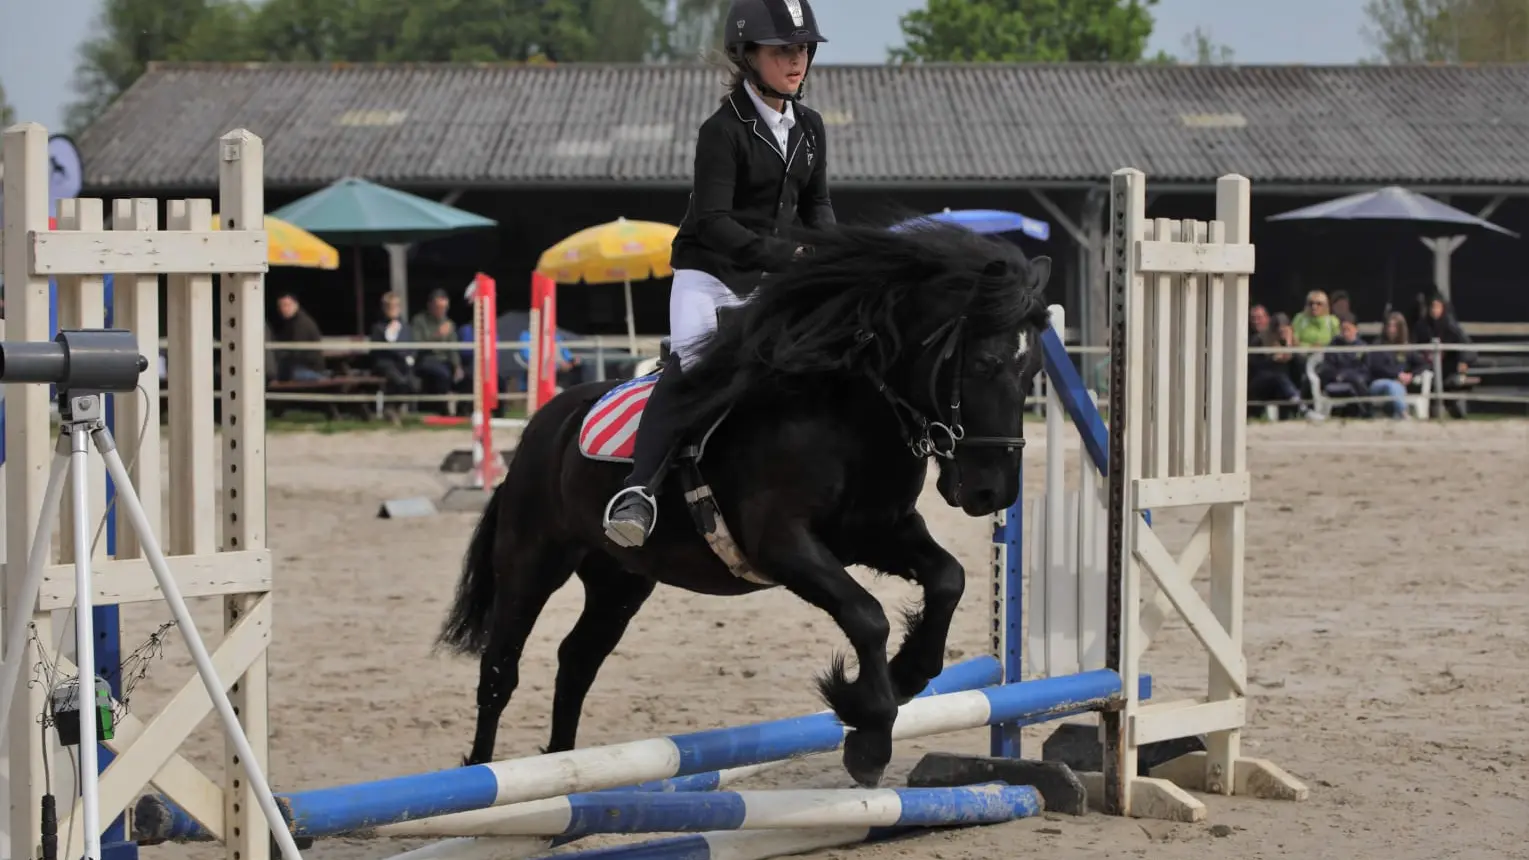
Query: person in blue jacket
point(570, 368)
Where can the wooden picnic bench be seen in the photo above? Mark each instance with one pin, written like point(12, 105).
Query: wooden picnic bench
point(322, 392)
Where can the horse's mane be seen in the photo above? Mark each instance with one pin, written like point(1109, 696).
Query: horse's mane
point(896, 285)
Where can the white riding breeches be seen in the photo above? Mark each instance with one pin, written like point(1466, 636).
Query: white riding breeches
point(694, 300)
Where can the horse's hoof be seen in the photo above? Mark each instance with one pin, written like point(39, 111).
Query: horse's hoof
point(866, 756)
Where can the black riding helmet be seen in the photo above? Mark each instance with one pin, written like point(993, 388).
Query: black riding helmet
point(771, 22)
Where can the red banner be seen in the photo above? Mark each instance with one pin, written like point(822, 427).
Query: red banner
point(544, 357)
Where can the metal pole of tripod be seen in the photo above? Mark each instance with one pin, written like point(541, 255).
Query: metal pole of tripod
point(127, 498)
point(85, 639)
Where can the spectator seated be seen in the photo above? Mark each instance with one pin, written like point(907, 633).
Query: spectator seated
point(1343, 375)
point(570, 367)
point(396, 367)
point(440, 371)
point(1270, 377)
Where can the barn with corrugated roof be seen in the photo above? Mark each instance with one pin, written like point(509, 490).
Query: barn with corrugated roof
point(547, 150)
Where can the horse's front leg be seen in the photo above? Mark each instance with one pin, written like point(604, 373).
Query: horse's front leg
point(909, 551)
point(789, 553)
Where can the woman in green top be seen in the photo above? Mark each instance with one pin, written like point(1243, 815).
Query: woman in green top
point(1317, 325)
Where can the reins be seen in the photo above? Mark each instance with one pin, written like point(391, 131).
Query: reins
point(926, 437)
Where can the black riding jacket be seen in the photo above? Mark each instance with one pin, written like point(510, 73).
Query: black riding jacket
point(747, 196)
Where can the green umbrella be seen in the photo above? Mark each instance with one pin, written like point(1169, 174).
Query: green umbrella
point(356, 212)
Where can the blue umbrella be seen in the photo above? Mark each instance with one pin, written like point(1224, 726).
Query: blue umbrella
point(989, 221)
point(1393, 213)
point(1398, 208)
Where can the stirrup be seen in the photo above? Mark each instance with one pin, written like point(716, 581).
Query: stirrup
point(629, 534)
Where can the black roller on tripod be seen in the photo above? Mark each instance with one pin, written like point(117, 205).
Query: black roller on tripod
point(105, 360)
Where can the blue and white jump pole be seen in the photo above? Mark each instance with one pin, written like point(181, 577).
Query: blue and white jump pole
point(365, 808)
point(766, 823)
point(627, 812)
point(157, 820)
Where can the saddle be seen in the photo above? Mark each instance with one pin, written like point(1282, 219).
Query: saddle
point(609, 431)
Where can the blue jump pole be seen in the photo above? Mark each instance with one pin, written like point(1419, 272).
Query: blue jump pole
point(367, 806)
point(629, 812)
point(985, 804)
point(158, 820)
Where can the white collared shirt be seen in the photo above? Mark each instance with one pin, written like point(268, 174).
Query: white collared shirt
point(780, 123)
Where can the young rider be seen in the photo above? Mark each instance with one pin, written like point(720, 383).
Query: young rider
point(760, 170)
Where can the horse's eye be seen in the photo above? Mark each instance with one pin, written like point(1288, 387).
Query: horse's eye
point(987, 365)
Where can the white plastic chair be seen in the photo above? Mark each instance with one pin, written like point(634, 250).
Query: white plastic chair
point(1321, 405)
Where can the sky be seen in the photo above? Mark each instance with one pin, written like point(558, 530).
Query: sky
point(38, 37)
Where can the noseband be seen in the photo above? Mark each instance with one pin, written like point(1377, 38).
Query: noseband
point(938, 437)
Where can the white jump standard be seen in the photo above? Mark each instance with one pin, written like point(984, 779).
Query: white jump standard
point(1176, 438)
point(231, 677)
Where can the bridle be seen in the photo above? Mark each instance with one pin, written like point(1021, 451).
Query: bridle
point(938, 437)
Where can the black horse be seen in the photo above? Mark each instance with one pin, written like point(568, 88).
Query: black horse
point(821, 400)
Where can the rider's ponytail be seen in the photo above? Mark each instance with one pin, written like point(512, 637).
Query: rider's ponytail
point(733, 74)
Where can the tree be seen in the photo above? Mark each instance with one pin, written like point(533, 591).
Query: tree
point(1205, 52)
point(627, 31)
point(1449, 31)
point(1494, 31)
point(1026, 31)
point(220, 33)
point(130, 34)
point(1412, 31)
point(693, 29)
point(7, 113)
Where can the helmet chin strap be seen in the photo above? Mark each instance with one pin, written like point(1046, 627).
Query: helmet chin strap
point(769, 92)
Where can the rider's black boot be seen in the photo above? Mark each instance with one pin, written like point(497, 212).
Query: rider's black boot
point(631, 513)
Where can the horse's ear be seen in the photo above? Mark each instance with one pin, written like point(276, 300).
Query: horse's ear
point(1040, 271)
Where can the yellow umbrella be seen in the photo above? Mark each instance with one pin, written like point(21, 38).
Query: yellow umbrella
point(616, 252)
point(291, 245)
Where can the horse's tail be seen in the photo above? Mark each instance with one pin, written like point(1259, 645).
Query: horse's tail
point(467, 626)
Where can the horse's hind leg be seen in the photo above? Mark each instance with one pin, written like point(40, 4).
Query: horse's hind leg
point(793, 557)
point(612, 597)
point(911, 552)
point(534, 572)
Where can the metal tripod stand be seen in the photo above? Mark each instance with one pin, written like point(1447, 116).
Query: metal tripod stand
point(83, 423)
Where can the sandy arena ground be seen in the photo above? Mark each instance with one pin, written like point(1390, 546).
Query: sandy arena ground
point(1386, 619)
